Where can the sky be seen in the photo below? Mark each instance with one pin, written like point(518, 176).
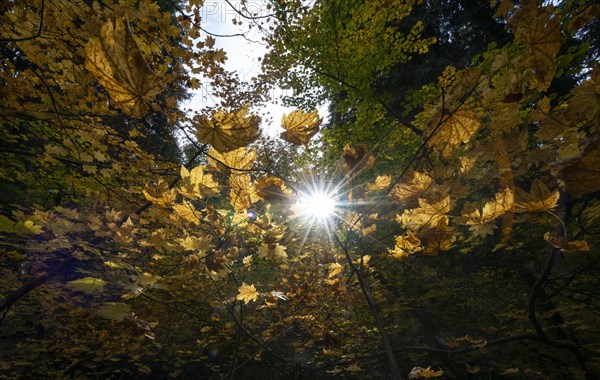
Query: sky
point(242, 55)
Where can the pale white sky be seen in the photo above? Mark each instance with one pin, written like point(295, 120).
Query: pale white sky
point(242, 55)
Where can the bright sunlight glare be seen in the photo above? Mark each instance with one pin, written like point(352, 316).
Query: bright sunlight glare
point(317, 205)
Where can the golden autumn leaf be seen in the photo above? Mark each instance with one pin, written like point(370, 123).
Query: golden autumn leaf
point(159, 193)
point(117, 61)
point(426, 215)
point(300, 126)
point(418, 184)
point(241, 193)
point(491, 210)
point(437, 239)
point(196, 183)
point(381, 183)
point(406, 245)
point(240, 159)
point(247, 293)
point(272, 189)
point(227, 131)
point(452, 130)
point(187, 212)
point(563, 244)
point(539, 30)
point(538, 199)
point(580, 175)
point(334, 270)
point(274, 252)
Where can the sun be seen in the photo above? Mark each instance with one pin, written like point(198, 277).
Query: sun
point(317, 204)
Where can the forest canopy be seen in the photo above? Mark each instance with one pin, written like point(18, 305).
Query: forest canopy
point(441, 220)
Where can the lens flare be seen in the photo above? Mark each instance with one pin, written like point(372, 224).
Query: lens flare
point(317, 205)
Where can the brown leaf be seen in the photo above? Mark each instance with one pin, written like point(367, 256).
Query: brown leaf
point(356, 159)
point(539, 30)
point(581, 175)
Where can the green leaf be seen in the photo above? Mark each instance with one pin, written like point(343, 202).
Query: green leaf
point(114, 310)
point(87, 285)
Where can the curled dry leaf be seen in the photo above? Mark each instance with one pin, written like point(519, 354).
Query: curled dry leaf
point(300, 126)
point(227, 131)
point(117, 61)
point(357, 158)
point(272, 189)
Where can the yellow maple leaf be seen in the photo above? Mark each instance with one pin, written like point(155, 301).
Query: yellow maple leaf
point(117, 61)
point(241, 192)
point(406, 245)
point(381, 183)
point(437, 239)
point(538, 199)
point(187, 212)
point(539, 30)
point(196, 183)
point(159, 193)
point(334, 270)
point(427, 215)
point(300, 126)
point(491, 210)
point(247, 293)
point(418, 184)
point(240, 159)
point(227, 131)
point(452, 130)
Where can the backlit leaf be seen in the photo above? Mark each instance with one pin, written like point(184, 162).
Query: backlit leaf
point(539, 199)
point(300, 126)
point(539, 31)
point(187, 212)
point(240, 159)
point(86, 285)
point(427, 215)
point(452, 130)
point(419, 183)
point(247, 293)
point(227, 131)
point(117, 61)
point(114, 310)
point(334, 270)
point(196, 183)
point(381, 183)
point(502, 203)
